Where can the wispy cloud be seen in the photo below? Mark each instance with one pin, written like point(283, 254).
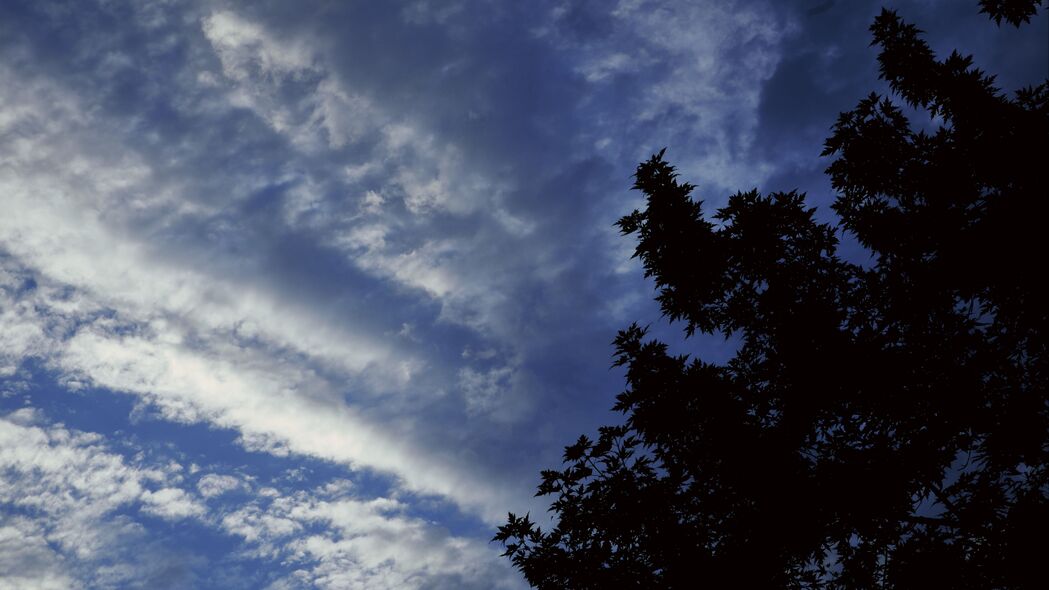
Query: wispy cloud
point(360, 544)
point(72, 503)
point(83, 507)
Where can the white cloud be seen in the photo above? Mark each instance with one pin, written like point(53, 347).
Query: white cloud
point(124, 302)
point(200, 344)
point(214, 484)
point(271, 406)
point(21, 326)
point(77, 491)
point(171, 504)
point(26, 560)
point(485, 391)
point(263, 69)
point(704, 65)
point(72, 489)
point(428, 174)
point(274, 405)
point(244, 46)
point(367, 544)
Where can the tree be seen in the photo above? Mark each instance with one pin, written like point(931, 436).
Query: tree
point(884, 425)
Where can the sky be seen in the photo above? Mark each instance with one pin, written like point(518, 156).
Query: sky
point(305, 294)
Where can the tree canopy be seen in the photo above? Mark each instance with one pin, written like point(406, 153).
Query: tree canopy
point(881, 425)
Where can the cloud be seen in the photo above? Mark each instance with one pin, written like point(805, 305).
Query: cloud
point(73, 496)
point(247, 258)
point(213, 484)
point(369, 544)
point(485, 392)
point(693, 73)
point(80, 500)
point(200, 345)
point(26, 559)
point(237, 235)
point(171, 504)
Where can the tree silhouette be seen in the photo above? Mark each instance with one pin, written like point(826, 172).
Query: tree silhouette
point(881, 426)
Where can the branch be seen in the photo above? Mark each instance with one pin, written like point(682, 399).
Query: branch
point(929, 521)
point(942, 498)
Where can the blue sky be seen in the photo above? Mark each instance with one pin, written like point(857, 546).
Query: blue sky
point(305, 294)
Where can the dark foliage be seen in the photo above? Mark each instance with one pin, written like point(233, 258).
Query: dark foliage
point(880, 427)
point(1013, 11)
